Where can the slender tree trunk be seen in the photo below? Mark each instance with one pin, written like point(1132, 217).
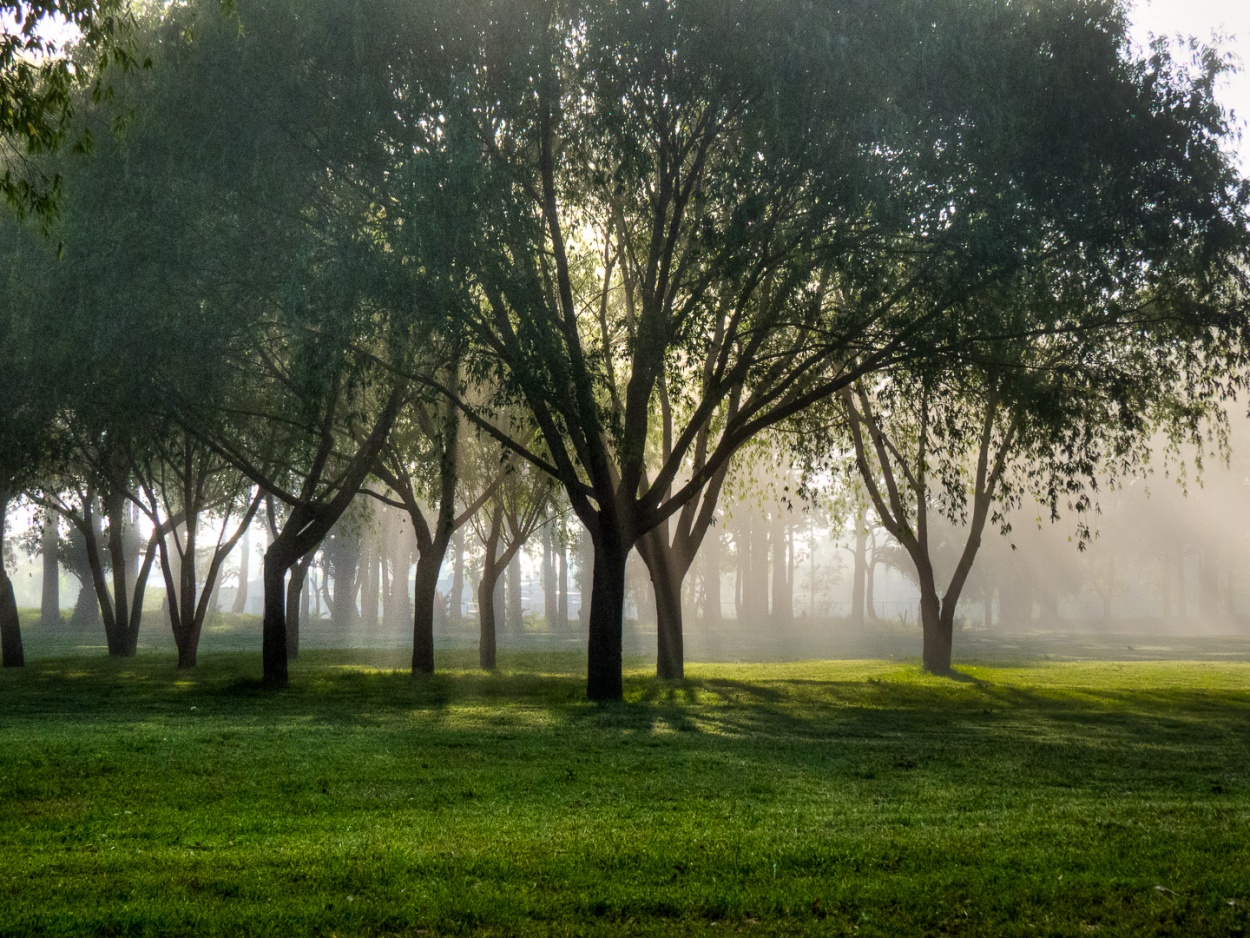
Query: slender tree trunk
point(119, 643)
point(859, 575)
point(455, 602)
point(12, 655)
point(870, 588)
point(667, 566)
point(296, 603)
point(783, 574)
point(670, 644)
point(711, 581)
point(562, 589)
point(245, 572)
point(550, 598)
point(516, 609)
point(585, 579)
point(369, 581)
point(50, 600)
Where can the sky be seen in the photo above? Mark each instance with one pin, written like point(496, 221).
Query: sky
point(1202, 19)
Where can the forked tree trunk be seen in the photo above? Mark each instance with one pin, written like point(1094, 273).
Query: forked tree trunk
point(937, 627)
point(12, 655)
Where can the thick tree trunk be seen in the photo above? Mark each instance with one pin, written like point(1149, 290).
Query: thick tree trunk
point(273, 625)
point(245, 572)
point(425, 594)
point(488, 618)
point(937, 625)
point(670, 647)
point(50, 600)
point(12, 655)
point(607, 606)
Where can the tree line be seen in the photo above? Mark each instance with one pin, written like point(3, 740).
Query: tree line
point(478, 258)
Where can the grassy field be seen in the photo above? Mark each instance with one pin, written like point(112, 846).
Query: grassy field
point(809, 798)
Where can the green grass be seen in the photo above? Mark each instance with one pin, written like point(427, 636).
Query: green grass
point(812, 798)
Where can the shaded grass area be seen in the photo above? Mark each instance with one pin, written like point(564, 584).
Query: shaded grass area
point(811, 798)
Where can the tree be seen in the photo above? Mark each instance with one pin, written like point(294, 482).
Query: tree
point(40, 81)
point(420, 463)
point(189, 481)
point(943, 453)
point(516, 508)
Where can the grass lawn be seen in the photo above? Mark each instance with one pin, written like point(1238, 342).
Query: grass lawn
point(809, 798)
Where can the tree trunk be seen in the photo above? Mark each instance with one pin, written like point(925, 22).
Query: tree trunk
point(245, 572)
point(667, 566)
point(937, 625)
point(487, 620)
point(12, 654)
point(670, 648)
point(562, 594)
point(711, 581)
point(607, 607)
point(425, 594)
point(119, 643)
point(859, 575)
point(50, 600)
point(295, 603)
point(585, 578)
point(455, 602)
point(870, 588)
point(273, 626)
point(550, 599)
point(516, 609)
point(783, 573)
point(345, 565)
point(369, 581)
